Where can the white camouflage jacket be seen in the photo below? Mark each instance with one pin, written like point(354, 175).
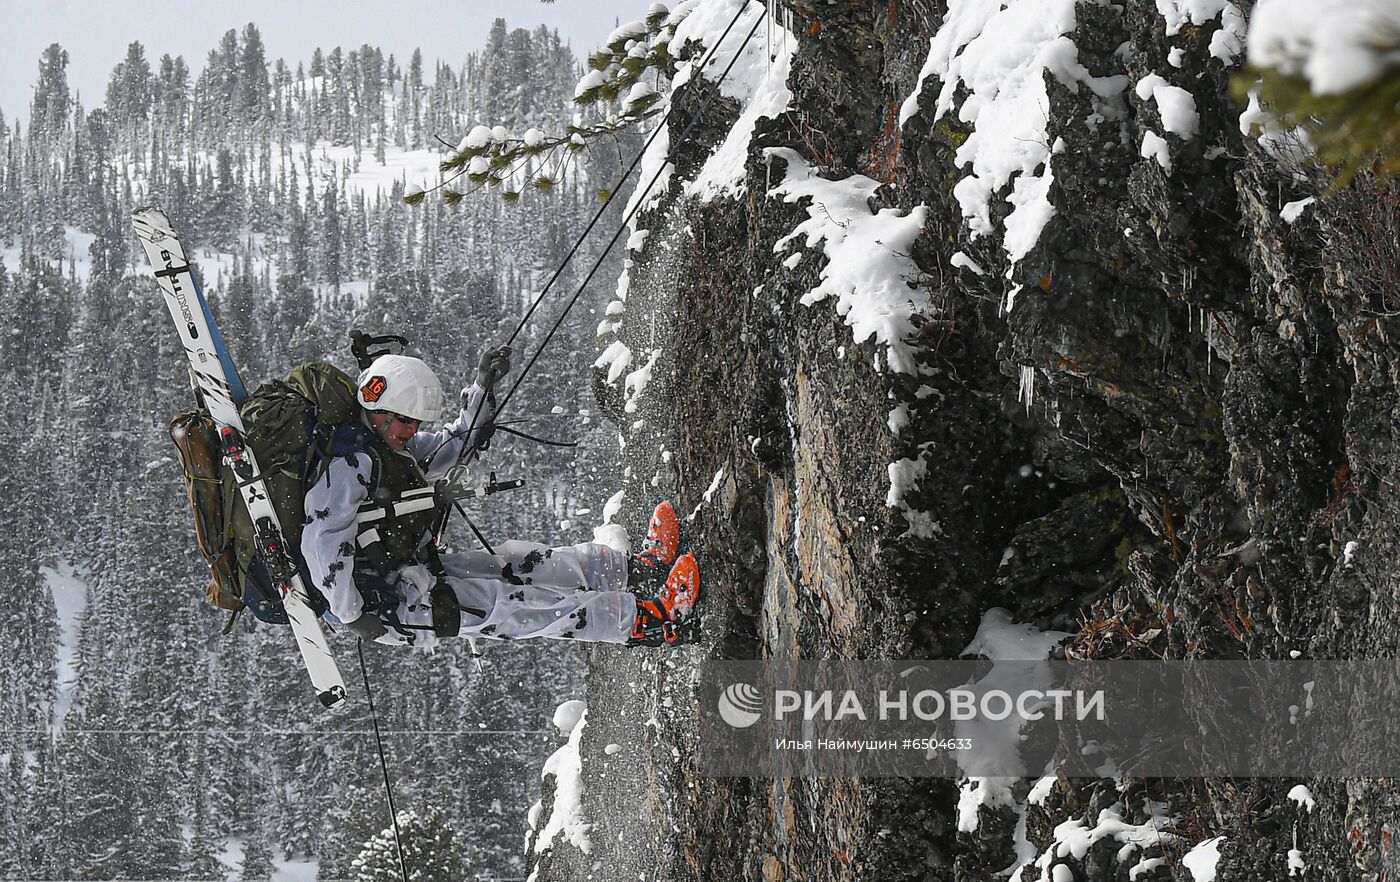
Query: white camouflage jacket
point(328, 537)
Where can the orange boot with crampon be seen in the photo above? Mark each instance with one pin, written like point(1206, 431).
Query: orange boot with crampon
point(669, 617)
point(647, 568)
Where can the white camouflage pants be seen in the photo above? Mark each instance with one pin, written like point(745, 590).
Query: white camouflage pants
point(575, 592)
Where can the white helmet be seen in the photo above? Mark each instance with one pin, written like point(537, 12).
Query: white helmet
point(401, 384)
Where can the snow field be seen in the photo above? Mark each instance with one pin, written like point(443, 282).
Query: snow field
point(70, 591)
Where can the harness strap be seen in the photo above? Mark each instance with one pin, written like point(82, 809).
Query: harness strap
point(411, 501)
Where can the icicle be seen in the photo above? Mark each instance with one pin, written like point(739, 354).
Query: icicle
point(1026, 395)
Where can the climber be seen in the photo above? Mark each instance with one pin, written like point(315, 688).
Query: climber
point(368, 547)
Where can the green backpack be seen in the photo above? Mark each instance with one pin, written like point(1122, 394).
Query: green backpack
point(294, 427)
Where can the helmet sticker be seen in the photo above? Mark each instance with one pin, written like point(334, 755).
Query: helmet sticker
point(371, 391)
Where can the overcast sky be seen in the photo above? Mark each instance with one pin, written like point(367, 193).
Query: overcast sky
point(96, 32)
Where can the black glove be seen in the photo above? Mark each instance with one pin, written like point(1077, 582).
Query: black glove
point(494, 364)
point(367, 627)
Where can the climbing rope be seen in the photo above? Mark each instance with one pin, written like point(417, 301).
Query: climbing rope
point(383, 763)
point(636, 207)
point(639, 201)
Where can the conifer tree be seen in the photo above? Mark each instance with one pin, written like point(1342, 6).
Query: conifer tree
point(253, 81)
point(431, 851)
point(52, 101)
point(129, 93)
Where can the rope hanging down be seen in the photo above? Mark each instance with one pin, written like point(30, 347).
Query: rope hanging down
point(383, 763)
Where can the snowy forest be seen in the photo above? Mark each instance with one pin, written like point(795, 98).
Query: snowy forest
point(161, 749)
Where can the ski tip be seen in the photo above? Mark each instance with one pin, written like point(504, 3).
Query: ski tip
point(334, 699)
point(151, 223)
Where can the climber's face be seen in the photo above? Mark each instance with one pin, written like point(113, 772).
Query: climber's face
point(394, 428)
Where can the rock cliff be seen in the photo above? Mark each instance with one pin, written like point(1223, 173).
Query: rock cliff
point(1133, 385)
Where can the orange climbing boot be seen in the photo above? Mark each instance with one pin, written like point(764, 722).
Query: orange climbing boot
point(667, 618)
point(663, 541)
point(647, 569)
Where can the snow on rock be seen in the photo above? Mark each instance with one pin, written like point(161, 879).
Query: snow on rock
point(1296, 865)
point(1000, 639)
point(1227, 42)
point(1333, 43)
point(962, 261)
point(616, 358)
point(613, 506)
point(1294, 210)
point(898, 418)
point(757, 82)
point(1154, 146)
point(999, 54)
point(1176, 106)
point(1180, 13)
point(905, 475)
point(1074, 838)
point(567, 716)
point(566, 766)
point(1303, 797)
point(1254, 115)
point(1201, 860)
point(636, 383)
point(612, 535)
point(653, 165)
point(709, 493)
point(868, 263)
point(1041, 789)
point(70, 594)
point(1290, 147)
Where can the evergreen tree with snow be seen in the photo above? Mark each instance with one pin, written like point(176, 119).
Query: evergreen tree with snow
point(432, 852)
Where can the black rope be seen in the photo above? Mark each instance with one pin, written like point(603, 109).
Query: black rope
point(578, 243)
point(383, 763)
point(641, 200)
point(479, 537)
point(535, 438)
point(660, 127)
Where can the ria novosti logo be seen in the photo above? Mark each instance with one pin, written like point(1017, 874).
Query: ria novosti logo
point(741, 705)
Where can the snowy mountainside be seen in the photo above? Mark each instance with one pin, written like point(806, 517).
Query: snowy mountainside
point(982, 307)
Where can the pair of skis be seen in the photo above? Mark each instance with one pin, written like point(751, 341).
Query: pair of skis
point(218, 387)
